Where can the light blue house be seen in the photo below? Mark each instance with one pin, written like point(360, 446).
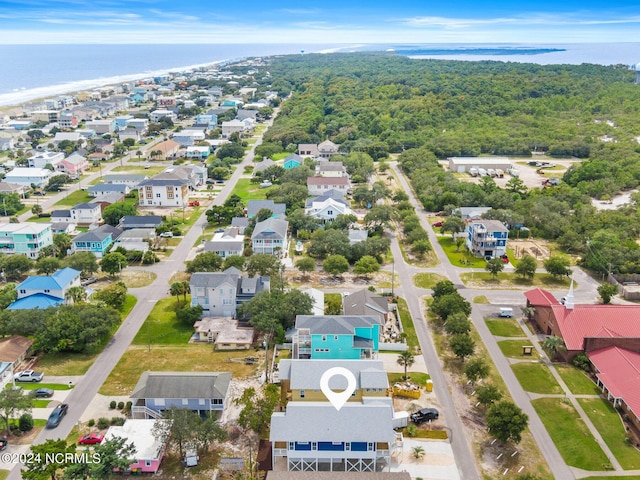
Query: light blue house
point(96, 241)
point(487, 238)
point(348, 337)
point(292, 161)
point(201, 392)
point(45, 291)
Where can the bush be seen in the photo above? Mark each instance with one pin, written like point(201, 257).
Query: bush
point(128, 406)
point(103, 423)
point(112, 405)
point(582, 362)
point(120, 405)
point(91, 422)
point(411, 430)
point(119, 421)
point(25, 423)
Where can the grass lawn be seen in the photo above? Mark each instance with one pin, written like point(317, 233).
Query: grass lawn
point(129, 303)
point(137, 278)
point(571, 436)
point(513, 349)
point(52, 386)
point(65, 363)
point(459, 258)
point(250, 191)
point(415, 377)
point(608, 423)
point(4, 474)
point(407, 324)
point(502, 327)
point(481, 299)
point(536, 378)
point(74, 198)
point(138, 169)
point(180, 358)
point(510, 280)
point(577, 380)
point(427, 280)
point(162, 327)
point(279, 156)
point(40, 403)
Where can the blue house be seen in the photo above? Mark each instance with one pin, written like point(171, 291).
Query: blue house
point(96, 241)
point(45, 291)
point(336, 337)
point(486, 238)
point(202, 392)
point(292, 161)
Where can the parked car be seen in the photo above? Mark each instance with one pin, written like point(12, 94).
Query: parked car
point(88, 281)
point(194, 203)
point(437, 224)
point(91, 438)
point(56, 416)
point(28, 376)
point(266, 184)
point(166, 235)
point(43, 393)
point(424, 415)
point(504, 258)
point(3, 443)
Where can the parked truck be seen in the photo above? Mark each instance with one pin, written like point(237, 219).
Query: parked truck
point(514, 172)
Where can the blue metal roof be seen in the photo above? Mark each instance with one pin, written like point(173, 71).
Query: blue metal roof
point(39, 300)
point(58, 280)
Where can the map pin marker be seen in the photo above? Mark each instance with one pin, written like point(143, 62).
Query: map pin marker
point(338, 399)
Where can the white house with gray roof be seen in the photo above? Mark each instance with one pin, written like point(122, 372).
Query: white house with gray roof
point(270, 236)
point(201, 392)
point(105, 188)
point(220, 293)
point(130, 179)
point(327, 208)
point(226, 243)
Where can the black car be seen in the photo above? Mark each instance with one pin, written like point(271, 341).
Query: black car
point(43, 393)
point(424, 415)
point(56, 416)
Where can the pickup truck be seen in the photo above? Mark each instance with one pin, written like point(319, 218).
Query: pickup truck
point(28, 376)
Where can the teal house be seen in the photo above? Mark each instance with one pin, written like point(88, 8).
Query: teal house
point(96, 241)
point(25, 238)
point(292, 161)
point(335, 337)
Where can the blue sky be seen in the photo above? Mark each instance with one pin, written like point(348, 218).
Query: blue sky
point(330, 21)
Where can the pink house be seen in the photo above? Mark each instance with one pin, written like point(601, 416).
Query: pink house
point(73, 165)
point(149, 449)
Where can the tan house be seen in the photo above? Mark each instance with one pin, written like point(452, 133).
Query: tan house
point(15, 349)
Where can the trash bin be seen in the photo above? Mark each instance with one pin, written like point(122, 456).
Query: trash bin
point(429, 386)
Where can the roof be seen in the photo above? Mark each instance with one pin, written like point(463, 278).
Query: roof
point(295, 158)
point(327, 181)
point(182, 385)
point(471, 212)
point(336, 324)
point(138, 233)
point(356, 236)
point(269, 228)
point(365, 302)
point(24, 228)
point(306, 374)
point(330, 167)
point(98, 235)
point(165, 180)
point(321, 422)
point(325, 197)
point(61, 214)
point(619, 370)
point(241, 222)
point(254, 206)
point(108, 187)
point(589, 320)
point(86, 206)
point(215, 279)
point(490, 225)
point(28, 172)
point(140, 433)
point(37, 300)
point(140, 221)
point(292, 475)
point(110, 197)
point(58, 280)
point(124, 177)
point(263, 165)
point(14, 347)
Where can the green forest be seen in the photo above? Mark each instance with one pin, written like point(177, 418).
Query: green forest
point(425, 110)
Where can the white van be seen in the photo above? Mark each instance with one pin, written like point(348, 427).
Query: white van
point(506, 312)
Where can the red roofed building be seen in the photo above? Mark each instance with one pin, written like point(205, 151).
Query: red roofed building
point(585, 328)
point(618, 375)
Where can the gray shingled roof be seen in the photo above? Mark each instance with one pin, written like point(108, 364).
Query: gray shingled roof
point(306, 374)
point(269, 228)
point(61, 214)
point(364, 302)
point(254, 206)
point(335, 324)
point(140, 221)
point(213, 279)
point(98, 235)
point(182, 385)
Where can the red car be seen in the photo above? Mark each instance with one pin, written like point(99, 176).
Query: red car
point(437, 224)
point(194, 203)
point(504, 258)
point(90, 439)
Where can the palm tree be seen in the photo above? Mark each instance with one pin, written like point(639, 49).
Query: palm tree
point(176, 289)
point(406, 359)
point(418, 453)
point(185, 289)
point(76, 294)
point(552, 345)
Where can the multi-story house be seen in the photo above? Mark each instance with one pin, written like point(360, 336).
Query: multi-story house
point(270, 236)
point(102, 127)
point(320, 185)
point(106, 188)
point(227, 243)
point(73, 165)
point(45, 291)
point(130, 179)
point(312, 435)
point(188, 138)
point(25, 238)
point(42, 159)
point(165, 190)
point(159, 114)
point(220, 293)
point(277, 209)
point(336, 336)
point(67, 119)
point(96, 241)
point(327, 208)
point(487, 238)
point(330, 169)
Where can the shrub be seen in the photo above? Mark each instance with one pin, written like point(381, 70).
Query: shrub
point(411, 430)
point(120, 405)
point(112, 405)
point(103, 423)
point(582, 362)
point(119, 421)
point(91, 422)
point(25, 423)
point(128, 406)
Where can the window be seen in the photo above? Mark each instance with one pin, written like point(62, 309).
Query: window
point(23, 291)
point(150, 202)
point(324, 338)
point(157, 195)
point(335, 337)
point(159, 402)
point(329, 212)
point(302, 394)
point(201, 401)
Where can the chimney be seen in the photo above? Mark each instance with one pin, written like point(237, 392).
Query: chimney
point(569, 302)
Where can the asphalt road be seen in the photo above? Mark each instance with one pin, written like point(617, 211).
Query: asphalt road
point(84, 391)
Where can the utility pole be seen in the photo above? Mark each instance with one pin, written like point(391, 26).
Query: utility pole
point(393, 276)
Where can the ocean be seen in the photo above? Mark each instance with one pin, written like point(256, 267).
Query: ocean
point(30, 72)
